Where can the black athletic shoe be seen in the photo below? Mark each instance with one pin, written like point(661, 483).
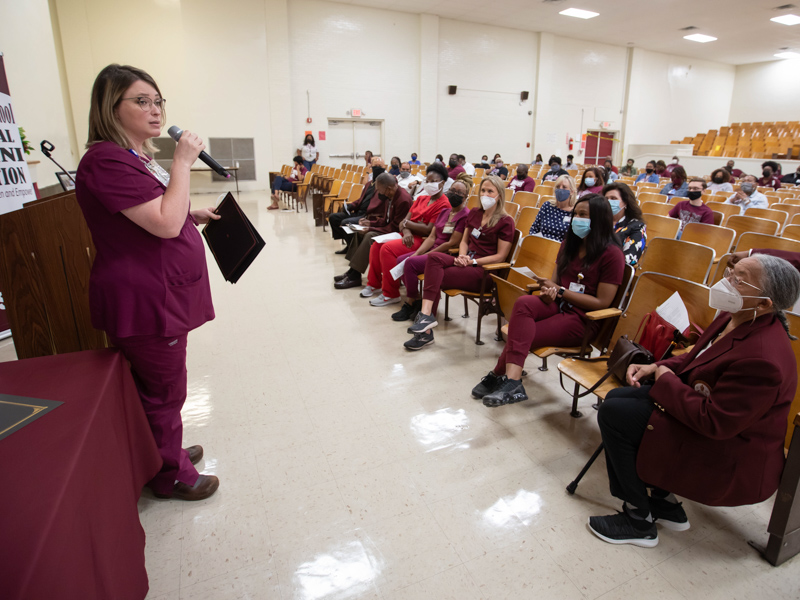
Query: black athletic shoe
point(419, 341)
point(508, 391)
point(622, 529)
point(408, 311)
point(423, 323)
point(342, 251)
point(669, 514)
point(487, 385)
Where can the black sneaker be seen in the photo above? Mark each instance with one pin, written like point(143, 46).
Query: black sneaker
point(423, 323)
point(419, 341)
point(623, 529)
point(342, 251)
point(487, 385)
point(669, 514)
point(409, 311)
point(508, 391)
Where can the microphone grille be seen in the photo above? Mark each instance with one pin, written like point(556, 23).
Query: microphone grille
point(175, 132)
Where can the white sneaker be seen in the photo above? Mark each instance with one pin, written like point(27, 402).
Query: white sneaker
point(367, 291)
point(384, 301)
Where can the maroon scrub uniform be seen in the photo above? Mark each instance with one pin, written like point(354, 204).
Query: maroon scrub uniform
point(146, 293)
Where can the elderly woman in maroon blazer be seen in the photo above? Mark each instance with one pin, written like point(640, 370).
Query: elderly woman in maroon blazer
point(149, 284)
point(711, 427)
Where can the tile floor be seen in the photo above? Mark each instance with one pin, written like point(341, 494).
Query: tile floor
point(351, 468)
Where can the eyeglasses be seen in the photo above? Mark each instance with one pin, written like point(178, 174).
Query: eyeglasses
point(730, 276)
point(146, 104)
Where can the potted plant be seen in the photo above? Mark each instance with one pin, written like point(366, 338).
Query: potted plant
point(27, 147)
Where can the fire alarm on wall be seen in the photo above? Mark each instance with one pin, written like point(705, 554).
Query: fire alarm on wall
point(308, 120)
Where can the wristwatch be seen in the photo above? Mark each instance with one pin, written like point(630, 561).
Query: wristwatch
point(561, 291)
point(474, 263)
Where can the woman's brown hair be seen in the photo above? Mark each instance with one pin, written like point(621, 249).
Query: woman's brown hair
point(107, 91)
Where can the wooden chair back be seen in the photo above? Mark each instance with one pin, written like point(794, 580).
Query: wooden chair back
point(680, 258)
point(512, 208)
point(473, 202)
point(719, 239)
point(355, 192)
point(538, 254)
point(742, 224)
point(794, 327)
point(335, 187)
point(718, 217)
point(661, 226)
point(790, 209)
point(509, 194)
point(527, 215)
point(780, 216)
point(750, 240)
point(530, 199)
point(727, 210)
point(656, 208)
point(676, 199)
point(652, 197)
point(344, 191)
point(792, 232)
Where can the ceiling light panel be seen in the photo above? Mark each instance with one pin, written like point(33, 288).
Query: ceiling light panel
point(577, 12)
point(699, 37)
point(788, 55)
point(787, 19)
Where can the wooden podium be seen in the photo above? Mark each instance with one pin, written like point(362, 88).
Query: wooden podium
point(46, 255)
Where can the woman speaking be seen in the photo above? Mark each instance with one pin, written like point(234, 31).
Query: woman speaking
point(149, 284)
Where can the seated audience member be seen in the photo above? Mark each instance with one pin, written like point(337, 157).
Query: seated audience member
point(522, 183)
point(454, 167)
point(570, 165)
point(385, 212)
point(555, 170)
point(769, 179)
point(355, 211)
point(629, 170)
point(661, 168)
point(368, 159)
point(718, 434)
point(729, 166)
point(589, 269)
point(629, 226)
point(693, 210)
point(611, 171)
point(539, 160)
point(395, 166)
point(484, 164)
point(775, 166)
point(468, 167)
point(554, 216)
point(414, 160)
point(792, 178)
point(494, 160)
point(649, 175)
point(447, 234)
point(671, 167)
point(792, 258)
point(678, 185)
point(439, 158)
point(405, 178)
point(720, 181)
point(592, 181)
point(289, 184)
point(748, 195)
point(415, 227)
point(488, 235)
point(499, 170)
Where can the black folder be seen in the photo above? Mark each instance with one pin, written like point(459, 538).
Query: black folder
point(233, 240)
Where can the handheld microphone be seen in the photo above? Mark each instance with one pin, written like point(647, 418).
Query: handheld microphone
point(175, 133)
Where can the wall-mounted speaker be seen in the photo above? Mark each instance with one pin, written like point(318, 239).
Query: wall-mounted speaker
point(451, 89)
point(523, 96)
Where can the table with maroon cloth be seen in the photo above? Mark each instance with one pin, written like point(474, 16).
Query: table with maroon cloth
point(69, 526)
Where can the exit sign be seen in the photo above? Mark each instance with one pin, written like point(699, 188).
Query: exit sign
point(356, 112)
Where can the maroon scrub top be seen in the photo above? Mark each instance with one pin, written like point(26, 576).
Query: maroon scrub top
point(486, 243)
point(141, 284)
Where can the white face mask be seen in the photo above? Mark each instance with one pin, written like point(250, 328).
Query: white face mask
point(431, 188)
point(488, 202)
point(675, 162)
point(724, 296)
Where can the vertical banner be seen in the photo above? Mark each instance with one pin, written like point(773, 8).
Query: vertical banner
point(15, 180)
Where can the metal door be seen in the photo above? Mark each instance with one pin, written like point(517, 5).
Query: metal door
point(349, 139)
point(599, 145)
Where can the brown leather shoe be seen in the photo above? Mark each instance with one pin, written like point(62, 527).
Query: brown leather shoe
point(204, 487)
point(195, 454)
point(339, 277)
point(347, 283)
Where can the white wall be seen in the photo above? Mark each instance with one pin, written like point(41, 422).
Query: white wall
point(26, 40)
point(672, 97)
point(767, 91)
point(490, 66)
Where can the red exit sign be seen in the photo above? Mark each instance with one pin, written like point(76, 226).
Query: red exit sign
point(356, 112)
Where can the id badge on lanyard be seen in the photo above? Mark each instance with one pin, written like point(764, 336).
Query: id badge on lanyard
point(155, 169)
point(476, 233)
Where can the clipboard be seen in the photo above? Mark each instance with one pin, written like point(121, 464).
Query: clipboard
point(233, 240)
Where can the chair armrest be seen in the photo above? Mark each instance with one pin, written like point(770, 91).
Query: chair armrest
point(797, 420)
point(453, 251)
point(606, 313)
point(534, 287)
point(496, 266)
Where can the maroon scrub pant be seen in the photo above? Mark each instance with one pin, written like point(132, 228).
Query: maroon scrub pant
point(442, 274)
point(158, 365)
point(534, 324)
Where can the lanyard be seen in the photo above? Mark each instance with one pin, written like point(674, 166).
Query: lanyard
point(153, 167)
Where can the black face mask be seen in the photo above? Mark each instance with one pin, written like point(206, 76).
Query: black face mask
point(453, 163)
point(395, 166)
point(694, 195)
point(766, 173)
point(648, 170)
point(521, 176)
point(454, 198)
point(383, 197)
point(377, 171)
point(718, 179)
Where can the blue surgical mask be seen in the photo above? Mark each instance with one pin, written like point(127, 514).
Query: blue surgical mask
point(562, 195)
point(555, 167)
point(614, 206)
point(581, 227)
point(589, 181)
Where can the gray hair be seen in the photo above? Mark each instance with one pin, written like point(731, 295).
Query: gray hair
point(386, 179)
point(780, 282)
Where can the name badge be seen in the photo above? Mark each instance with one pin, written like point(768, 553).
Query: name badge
point(567, 219)
point(576, 287)
point(448, 229)
point(476, 234)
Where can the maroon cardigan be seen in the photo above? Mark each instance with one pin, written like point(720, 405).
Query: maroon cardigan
point(386, 216)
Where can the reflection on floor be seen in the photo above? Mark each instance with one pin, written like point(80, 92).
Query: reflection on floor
point(351, 468)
